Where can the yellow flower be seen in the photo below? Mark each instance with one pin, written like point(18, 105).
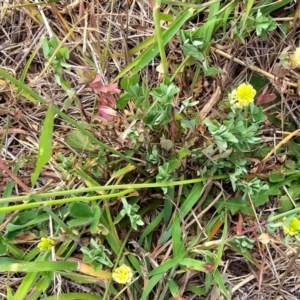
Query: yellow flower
point(295, 59)
point(243, 95)
point(122, 274)
point(293, 227)
point(45, 244)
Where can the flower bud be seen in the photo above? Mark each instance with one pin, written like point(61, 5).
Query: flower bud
point(107, 112)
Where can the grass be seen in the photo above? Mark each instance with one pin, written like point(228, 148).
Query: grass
point(149, 150)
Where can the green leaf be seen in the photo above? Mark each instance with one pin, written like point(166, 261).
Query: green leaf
point(3, 246)
point(245, 15)
point(79, 222)
point(43, 284)
point(95, 225)
point(20, 223)
point(128, 81)
point(220, 282)
point(194, 264)
point(78, 139)
point(71, 98)
point(45, 47)
point(294, 149)
point(9, 293)
point(80, 210)
point(274, 190)
point(244, 252)
point(45, 144)
point(235, 205)
point(173, 287)
point(64, 52)
point(293, 193)
point(276, 177)
point(200, 291)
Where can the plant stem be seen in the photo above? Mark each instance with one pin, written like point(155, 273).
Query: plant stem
point(116, 263)
point(159, 38)
point(287, 213)
point(179, 68)
point(60, 201)
point(110, 187)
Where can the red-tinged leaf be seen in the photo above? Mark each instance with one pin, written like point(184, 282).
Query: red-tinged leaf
point(152, 4)
point(209, 267)
point(261, 271)
point(85, 76)
point(266, 96)
point(98, 85)
point(107, 99)
point(239, 225)
point(14, 177)
point(264, 99)
point(107, 112)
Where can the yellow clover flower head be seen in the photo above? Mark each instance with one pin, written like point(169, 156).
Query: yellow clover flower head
point(295, 59)
point(243, 95)
point(123, 274)
point(45, 244)
point(293, 228)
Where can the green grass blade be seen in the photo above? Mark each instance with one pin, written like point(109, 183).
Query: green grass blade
point(168, 205)
point(206, 31)
point(176, 236)
point(227, 13)
point(9, 293)
point(45, 144)
point(150, 285)
point(245, 17)
point(168, 264)
point(151, 226)
point(273, 6)
point(194, 264)
point(29, 280)
point(191, 200)
point(38, 266)
point(149, 54)
point(185, 208)
point(174, 289)
point(219, 281)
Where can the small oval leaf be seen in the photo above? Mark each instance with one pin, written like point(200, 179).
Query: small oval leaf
point(80, 210)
